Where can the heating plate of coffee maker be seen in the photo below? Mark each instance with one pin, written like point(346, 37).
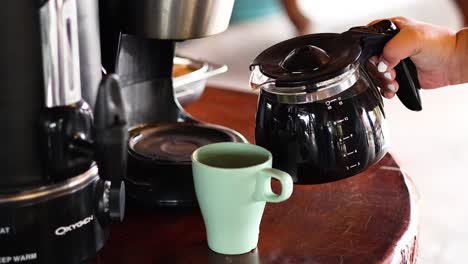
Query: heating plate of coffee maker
point(159, 161)
point(175, 142)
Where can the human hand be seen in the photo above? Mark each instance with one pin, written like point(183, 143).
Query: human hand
point(433, 49)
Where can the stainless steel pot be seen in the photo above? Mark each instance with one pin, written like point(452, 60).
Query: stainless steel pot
point(177, 19)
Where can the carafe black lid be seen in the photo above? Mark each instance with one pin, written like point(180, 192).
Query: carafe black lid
point(311, 58)
point(312, 61)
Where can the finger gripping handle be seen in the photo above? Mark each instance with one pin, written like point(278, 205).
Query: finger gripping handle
point(373, 39)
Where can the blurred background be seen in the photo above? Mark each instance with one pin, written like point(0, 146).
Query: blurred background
point(432, 145)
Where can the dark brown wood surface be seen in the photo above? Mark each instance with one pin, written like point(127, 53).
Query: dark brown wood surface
point(369, 218)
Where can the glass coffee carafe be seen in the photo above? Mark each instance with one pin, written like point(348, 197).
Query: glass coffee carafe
point(320, 112)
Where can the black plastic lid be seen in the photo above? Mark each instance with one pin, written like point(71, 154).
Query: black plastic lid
point(308, 60)
point(311, 58)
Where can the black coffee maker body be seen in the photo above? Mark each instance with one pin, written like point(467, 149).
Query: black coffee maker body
point(319, 111)
point(60, 180)
point(138, 43)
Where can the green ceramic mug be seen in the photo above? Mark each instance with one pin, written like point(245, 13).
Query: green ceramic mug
point(232, 183)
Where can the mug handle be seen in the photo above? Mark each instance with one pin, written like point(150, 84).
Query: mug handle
point(263, 190)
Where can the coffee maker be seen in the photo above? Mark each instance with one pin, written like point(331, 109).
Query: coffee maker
point(138, 42)
point(62, 165)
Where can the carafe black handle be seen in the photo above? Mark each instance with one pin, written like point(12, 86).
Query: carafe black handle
point(373, 39)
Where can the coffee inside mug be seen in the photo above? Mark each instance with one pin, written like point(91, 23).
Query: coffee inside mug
point(240, 156)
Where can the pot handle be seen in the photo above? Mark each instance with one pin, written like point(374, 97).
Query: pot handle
point(373, 39)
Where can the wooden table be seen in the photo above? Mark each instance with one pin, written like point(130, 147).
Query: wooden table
point(369, 218)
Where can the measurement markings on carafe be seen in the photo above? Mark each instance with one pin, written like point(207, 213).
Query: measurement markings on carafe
point(353, 166)
point(350, 153)
point(340, 121)
point(342, 141)
point(329, 103)
point(345, 138)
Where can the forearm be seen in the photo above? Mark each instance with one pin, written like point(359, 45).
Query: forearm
point(460, 58)
point(294, 13)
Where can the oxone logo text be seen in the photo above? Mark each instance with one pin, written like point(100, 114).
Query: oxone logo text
point(63, 230)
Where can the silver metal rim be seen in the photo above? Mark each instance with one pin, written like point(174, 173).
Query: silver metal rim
point(53, 191)
point(179, 20)
point(326, 89)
